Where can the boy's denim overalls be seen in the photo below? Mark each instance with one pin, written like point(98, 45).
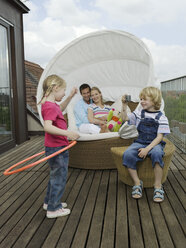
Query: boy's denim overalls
point(147, 129)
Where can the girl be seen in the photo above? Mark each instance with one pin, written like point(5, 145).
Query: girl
point(152, 125)
point(97, 112)
point(56, 135)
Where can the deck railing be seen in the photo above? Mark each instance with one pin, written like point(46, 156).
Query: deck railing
point(174, 95)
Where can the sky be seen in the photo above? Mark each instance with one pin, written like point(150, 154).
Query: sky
point(160, 24)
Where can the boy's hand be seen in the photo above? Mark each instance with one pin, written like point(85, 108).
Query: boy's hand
point(123, 99)
point(72, 135)
point(143, 152)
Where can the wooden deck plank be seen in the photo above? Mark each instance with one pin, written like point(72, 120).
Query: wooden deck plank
point(179, 186)
point(108, 233)
point(57, 228)
point(81, 234)
point(23, 151)
point(162, 232)
point(36, 221)
point(135, 231)
point(5, 179)
point(179, 164)
point(122, 239)
point(179, 158)
point(183, 174)
point(19, 199)
point(149, 234)
point(42, 231)
point(178, 208)
point(174, 227)
point(25, 238)
point(173, 167)
point(103, 213)
point(95, 233)
point(67, 236)
point(10, 185)
point(20, 219)
point(10, 190)
point(53, 236)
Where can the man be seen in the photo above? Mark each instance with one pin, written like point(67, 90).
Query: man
point(81, 113)
point(81, 108)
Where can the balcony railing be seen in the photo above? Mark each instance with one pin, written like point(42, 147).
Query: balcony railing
point(174, 95)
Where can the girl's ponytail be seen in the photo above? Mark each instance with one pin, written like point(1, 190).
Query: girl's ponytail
point(49, 83)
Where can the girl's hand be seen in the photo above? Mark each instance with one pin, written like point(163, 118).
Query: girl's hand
point(73, 91)
point(72, 135)
point(143, 152)
point(102, 122)
point(103, 118)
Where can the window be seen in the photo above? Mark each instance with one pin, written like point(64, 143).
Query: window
point(5, 86)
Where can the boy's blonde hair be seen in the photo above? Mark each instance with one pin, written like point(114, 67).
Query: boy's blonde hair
point(154, 94)
point(96, 88)
point(50, 82)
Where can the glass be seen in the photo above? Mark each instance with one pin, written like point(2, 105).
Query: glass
point(5, 88)
point(174, 95)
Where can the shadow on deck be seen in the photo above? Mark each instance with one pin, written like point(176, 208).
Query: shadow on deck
point(103, 214)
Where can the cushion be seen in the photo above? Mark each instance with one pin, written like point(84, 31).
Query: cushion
point(128, 131)
point(70, 113)
point(85, 137)
point(99, 136)
point(118, 104)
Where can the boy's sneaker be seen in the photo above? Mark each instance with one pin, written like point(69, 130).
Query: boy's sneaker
point(64, 205)
point(58, 213)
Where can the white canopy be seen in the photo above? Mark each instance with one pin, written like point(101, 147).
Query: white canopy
point(115, 61)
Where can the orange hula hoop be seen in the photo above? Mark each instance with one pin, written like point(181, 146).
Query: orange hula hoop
point(9, 172)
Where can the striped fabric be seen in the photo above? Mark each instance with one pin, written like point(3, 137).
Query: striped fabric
point(135, 117)
point(99, 112)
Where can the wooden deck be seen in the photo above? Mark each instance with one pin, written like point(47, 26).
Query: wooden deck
point(103, 214)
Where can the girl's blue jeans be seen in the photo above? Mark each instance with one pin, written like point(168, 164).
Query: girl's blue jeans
point(58, 176)
point(130, 156)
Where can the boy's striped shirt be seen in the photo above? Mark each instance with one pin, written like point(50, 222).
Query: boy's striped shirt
point(135, 118)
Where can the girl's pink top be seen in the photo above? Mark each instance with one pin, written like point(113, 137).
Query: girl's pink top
point(51, 111)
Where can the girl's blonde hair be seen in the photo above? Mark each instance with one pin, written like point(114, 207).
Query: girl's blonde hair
point(50, 82)
point(96, 88)
point(154, 94)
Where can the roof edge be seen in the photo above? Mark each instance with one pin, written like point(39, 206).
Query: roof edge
point(21, 5)
point(165, 81)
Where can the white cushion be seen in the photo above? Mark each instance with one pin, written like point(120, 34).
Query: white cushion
point(128, 131)
point(70, 113)
point(99, 136)
point(86, 137)
point(118, 104)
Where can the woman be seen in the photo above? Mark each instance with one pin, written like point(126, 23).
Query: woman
point(97, 112)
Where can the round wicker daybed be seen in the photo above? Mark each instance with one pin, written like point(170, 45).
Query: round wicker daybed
point(116, 62)
point(95, 154)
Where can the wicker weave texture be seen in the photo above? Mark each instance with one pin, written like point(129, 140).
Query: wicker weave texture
point(145, 170)
point(95, 154)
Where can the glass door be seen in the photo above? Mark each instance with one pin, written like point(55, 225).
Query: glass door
point(6, 133)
